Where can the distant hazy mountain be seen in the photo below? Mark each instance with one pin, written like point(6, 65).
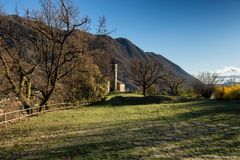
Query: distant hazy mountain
point(228, 71)
point(229, 75)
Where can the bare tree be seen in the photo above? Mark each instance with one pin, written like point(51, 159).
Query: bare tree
point(102, 29)
point(69, 14)
point(16, 10)
point(99, 47)
point(55, 27)
point(174, 84)
point(2, 10)
point(206, 85)
point(208, 78)
point(16, 66)
point(53, 33)
point(145, 73)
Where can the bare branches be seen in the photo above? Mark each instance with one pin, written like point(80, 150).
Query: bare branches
point(102, 30)
point(173, 84)
point(55, 27)
point(69, 14)
point(48, 13)
point(17, 62)
point(206, 85)
point(7, 72)
point(208, 78)
point(146, 73)
point(38, 52)
point(2, 10)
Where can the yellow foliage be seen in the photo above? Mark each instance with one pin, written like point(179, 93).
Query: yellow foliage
point(227, 92)
point(219, 92)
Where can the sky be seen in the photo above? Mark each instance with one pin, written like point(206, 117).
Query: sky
point(198, 35)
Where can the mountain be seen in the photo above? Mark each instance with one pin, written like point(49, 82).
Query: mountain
point(121, 51)
point(125, 52)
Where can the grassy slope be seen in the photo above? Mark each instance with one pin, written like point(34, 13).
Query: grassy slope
point(198, 129)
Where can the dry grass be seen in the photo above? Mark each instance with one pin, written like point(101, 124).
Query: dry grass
point(190, 130)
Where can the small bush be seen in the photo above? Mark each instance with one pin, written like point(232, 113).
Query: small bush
point(219, 92)
point(227, 92)
point(204, 90)
point(188, 92)
point(153, 90)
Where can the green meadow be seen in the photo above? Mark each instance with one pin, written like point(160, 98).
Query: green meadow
point(129, 127)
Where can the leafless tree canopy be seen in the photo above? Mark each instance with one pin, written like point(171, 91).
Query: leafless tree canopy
point(56, 35)
point(146, 73)
point(17, 68)
point(208, 78)
point(50, 47)
point(206, 87)
point(174, 84)
point(55, 27)
point(2, 11)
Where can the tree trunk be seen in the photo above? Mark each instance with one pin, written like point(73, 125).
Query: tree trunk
point(144, 92)
point(29, 91)
point(44, 102)
point(27, 107)
point(25, 97)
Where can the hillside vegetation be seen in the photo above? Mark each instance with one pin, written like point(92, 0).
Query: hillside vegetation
point(201, 129)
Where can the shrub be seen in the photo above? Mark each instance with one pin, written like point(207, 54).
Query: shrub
point(85, 82)
point(205, 90)
point(189, 92)
point(227, 92)
point(219, 92)
point(153, 90)
point(206, 84)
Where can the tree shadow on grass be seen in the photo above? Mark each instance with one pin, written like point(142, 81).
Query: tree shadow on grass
point(175, 137)
point(211, 108)
point(120, 141)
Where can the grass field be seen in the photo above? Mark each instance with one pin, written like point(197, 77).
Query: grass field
point(129, 128)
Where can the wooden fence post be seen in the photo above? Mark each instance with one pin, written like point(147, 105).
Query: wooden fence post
point(5, 119)
point(53, 107)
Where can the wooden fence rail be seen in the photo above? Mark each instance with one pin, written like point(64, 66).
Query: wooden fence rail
point(17, 115)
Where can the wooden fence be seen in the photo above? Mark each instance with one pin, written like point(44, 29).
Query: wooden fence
point(15, 116)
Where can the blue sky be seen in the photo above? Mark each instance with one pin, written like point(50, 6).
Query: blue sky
point(198, 35)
